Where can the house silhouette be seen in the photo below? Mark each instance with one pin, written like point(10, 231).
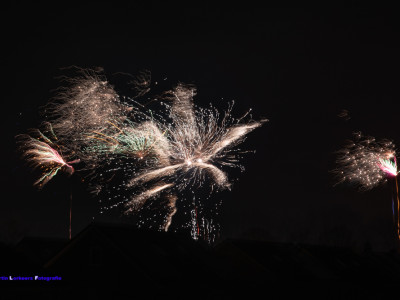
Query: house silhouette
point(121, 261)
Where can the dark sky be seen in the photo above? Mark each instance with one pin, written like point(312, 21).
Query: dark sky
point(296, 67)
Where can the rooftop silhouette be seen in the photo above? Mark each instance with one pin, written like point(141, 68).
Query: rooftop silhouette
point(124, 260)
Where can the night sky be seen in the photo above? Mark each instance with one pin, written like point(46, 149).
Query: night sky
point(298, 68)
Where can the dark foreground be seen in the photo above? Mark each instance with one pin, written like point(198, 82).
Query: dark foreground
point(119, 262)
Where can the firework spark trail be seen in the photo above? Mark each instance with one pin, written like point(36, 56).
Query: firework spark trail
point(141, 141)
point(41, 155)
point(141, 83)
point(155, 174)
point(83, 107)
point(368, 163)
point(388, 167)
point(164, 153)
point(138, 201)
point(232, 136)
point(144, 140)
point(217, 175)
point(183, 107)
point(398, 209)
point(359, 161)
point(198, 141)
point(172, 207)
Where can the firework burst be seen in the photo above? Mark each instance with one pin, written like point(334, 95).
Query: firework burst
point(200, 143)
point(162, 155)
point(365, 161)
point(41, 154)
point(80, 110)
point(134, 154)
point(389, 167)
point(369, 163)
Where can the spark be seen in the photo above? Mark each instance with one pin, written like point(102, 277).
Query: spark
point(388, 166)
point(172, 207)
point(138, 201)
point(199, 143)
point(41, 155)
point(81, 108)
point(366, 162)
point(135, 154)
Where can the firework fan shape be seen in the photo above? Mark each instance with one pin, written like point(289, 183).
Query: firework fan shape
point(388, 166)
point(41, 154)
